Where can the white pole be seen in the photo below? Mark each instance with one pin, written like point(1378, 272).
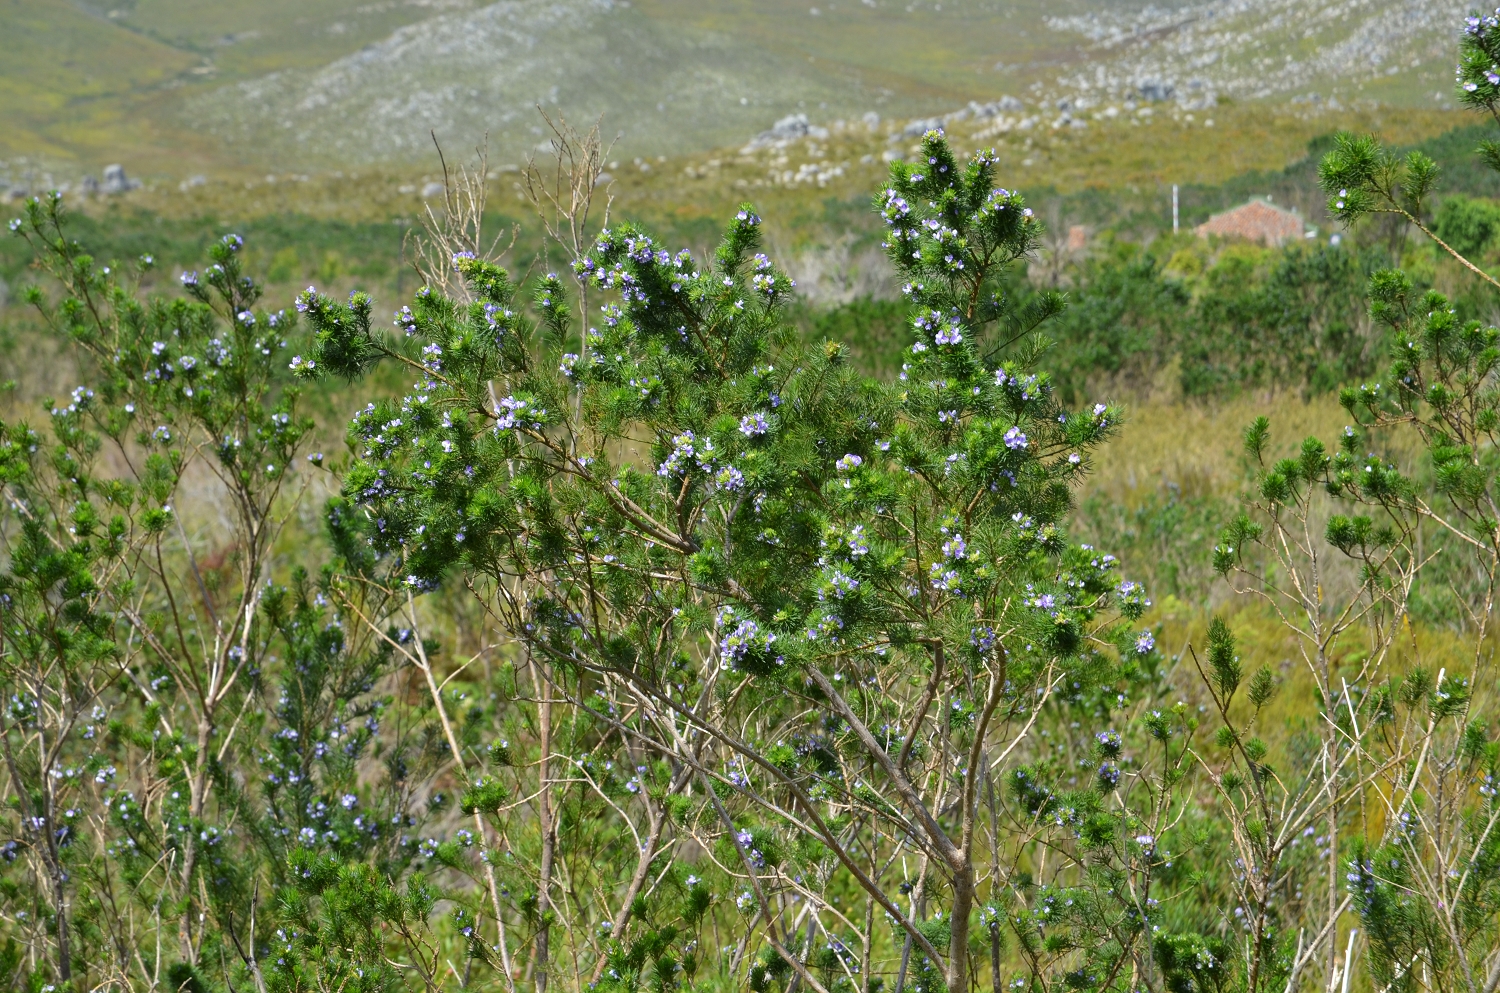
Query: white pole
point(1174, 208)
point(1348, 961)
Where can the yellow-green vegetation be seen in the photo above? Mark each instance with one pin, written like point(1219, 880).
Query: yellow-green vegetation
point(959, 51)
point(75, 84)
point(793, 183)
point(1171, 346)
point(238, 41)
point(87, 84)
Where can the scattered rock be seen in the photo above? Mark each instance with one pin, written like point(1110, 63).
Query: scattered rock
point(1010, 104)
point(919, 127)
point(1155, 90)
point(791, 126)
point(430, 190)
point(1250, 49)
point(115, 180)
point(785, 131)
point(89, 185)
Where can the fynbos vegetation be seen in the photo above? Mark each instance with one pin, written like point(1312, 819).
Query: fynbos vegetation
point(642, 643)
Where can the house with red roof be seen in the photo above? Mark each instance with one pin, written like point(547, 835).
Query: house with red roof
point(1259, 220)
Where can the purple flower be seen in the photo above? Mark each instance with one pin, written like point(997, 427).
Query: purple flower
point(684, 447)
point(842, 584)
point(729, 478)
point(857, 546)
point(951, 335)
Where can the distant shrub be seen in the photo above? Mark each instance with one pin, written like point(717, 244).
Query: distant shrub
point(1467, 224)
point(1295, 316)
point(874, 329)
point(1123, 320)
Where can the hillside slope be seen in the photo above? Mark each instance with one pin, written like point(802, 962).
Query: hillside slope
point(1252, 49)
point(666, 88)
point(69, 76)
point(670, 78)
point(287, 85)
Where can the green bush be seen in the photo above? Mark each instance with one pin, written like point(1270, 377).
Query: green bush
point(1469, 225)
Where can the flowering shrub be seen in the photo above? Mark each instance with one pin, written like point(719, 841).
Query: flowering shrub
point(136, 652)
point(822, 602)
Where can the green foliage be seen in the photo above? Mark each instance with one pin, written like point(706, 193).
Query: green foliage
point(1294, 316)
point(874, 329)
point(645, 623)
point(1360, 176)
point(1468, 225)
point(772, 460)
point(1192, 963)
point(1222, 660)
point(1359, 518)
point(1126, 317)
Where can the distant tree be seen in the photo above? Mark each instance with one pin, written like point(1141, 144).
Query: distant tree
point(1468, 225)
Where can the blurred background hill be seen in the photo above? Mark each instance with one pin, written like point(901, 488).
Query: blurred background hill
point(179, 88)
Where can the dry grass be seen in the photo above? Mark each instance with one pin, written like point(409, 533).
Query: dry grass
point(1197, 445)
point(1123, 153)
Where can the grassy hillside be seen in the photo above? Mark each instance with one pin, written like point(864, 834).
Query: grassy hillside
point(1123, 158)
point(175, 88)
point(73, 81)
point(342, 229)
